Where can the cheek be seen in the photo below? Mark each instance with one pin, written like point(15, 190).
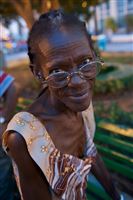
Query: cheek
point(58, 93)
point(91, 83)
point(61, 94)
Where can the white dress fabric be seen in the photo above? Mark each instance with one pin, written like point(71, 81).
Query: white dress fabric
point(66, 174)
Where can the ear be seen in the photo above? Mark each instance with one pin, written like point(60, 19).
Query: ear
point(35, 71)
point(38, 74)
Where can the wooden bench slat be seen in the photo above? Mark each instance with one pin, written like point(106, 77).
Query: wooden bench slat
point(20, 107)
point(115, 155)
point(91, 187)
point(23, 104)
point(22, 100)
point(119, 168)
point(122, 145)
point(128, 132)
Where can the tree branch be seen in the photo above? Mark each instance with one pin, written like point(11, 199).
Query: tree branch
point(27, 5)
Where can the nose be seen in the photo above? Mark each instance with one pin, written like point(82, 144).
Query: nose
point(75, 80)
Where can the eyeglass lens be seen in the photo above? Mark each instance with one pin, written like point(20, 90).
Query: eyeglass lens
point(61, 79)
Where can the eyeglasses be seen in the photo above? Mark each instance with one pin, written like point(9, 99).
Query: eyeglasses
point(62, 78)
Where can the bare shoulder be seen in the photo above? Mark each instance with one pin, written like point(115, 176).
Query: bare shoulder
point(32, 182)
point(16, 146)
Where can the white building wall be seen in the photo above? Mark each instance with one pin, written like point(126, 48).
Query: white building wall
point(126, 7)
point(130, 6)
point(113, 9)
point(116, 9)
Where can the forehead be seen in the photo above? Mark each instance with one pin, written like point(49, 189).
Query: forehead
point(64, 46)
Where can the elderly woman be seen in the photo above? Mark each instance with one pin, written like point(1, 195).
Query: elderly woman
point(51, 143)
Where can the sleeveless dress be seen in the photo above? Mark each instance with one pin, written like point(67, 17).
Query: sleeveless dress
point(66, 174)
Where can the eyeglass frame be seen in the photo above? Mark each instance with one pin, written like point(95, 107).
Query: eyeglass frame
point(77, 71)
point(70, 74)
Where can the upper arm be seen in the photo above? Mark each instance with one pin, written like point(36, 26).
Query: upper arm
point(33, 182)
point(17, 147)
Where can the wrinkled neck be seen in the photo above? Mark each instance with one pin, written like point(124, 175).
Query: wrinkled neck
point(53, 106)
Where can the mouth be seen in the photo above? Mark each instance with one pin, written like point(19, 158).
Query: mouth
point(79, 96)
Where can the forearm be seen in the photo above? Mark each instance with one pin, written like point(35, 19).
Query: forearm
point(34, 188)
point(101, 173)
point(33, 183)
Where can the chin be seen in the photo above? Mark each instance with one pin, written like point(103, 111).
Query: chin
point(78, 107)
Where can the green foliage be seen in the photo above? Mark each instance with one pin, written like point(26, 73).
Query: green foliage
point(7, 9)
point(107, 69)
point(26, 9)
point(78, 6)
point(129, 22)
point(114, 114)
point(110, 23)
point(113, 85)
point(118, 59)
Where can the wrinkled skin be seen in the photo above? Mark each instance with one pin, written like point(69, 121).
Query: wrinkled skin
point(66, 53)
point(64, 50)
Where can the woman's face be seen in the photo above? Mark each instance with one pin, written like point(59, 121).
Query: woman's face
point(67, 50)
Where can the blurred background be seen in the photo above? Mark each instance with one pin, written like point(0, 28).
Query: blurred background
point(110, 24)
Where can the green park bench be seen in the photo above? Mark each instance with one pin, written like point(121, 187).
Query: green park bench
point(115, 144)
point(22, 104)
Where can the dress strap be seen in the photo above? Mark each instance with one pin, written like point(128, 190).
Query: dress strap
point(89, 120)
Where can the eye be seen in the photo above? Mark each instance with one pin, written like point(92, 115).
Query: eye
point(86, 61)
point(55, 71)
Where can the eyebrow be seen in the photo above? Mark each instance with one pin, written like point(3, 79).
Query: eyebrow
point(66, 63)
point(82, 57)
point(58, 63)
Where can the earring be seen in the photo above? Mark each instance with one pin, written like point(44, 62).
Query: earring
point(40, 77)
point(42, 80)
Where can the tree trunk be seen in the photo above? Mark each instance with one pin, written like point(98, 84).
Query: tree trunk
point(95, 21)
point(55, 4)
point(24, 9)
point(44, 6)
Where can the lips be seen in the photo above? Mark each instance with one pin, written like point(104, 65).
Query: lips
point(79, 96)
point(78, 93)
